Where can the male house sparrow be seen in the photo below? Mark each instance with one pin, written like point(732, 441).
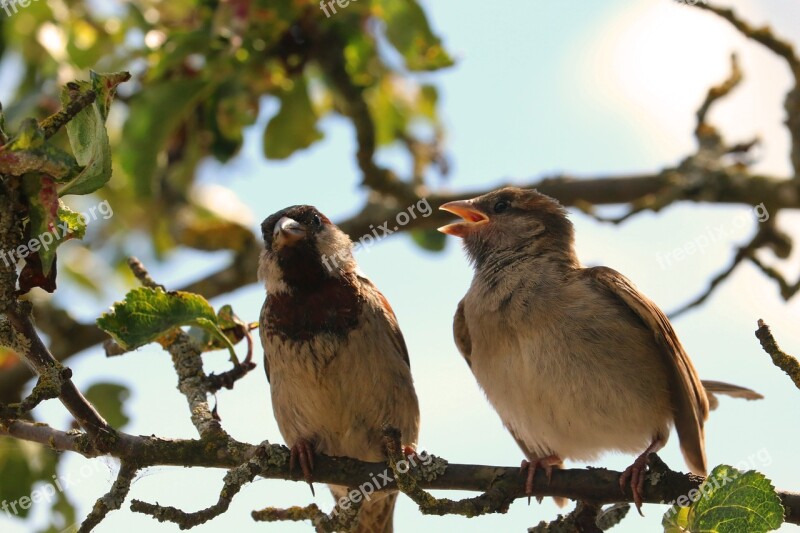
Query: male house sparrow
point(576, 361)
point(335, 357)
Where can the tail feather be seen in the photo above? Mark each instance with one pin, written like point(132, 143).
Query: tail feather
point(718, 387)
point(376, 515)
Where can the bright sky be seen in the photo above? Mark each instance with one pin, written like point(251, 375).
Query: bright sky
point(588, 88)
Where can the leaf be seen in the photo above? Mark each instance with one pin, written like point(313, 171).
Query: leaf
point(43, 208)
point(230, 324)
point(88, 136)
point(294, 127)
point(3, 134)
point(51, 223)
point(18, 477)
point(729, 501)
point(32, 275)
point(147, 315)
point(29, 136)
point(109, 398)
point(408, 30)
point(429, 239)
point(155, 114)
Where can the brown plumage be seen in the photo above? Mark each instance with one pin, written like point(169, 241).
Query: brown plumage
point(334, 355)
point(575, 360)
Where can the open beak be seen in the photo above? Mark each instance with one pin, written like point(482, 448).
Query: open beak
point(471, 216)
point(287, 232)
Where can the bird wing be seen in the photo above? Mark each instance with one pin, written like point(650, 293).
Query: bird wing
point(689, 401)
point(262, 331)
point(461, 333)
point(394, 327)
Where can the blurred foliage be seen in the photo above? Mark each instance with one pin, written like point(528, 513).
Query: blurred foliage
point(202, 72)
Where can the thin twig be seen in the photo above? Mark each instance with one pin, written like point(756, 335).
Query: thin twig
point(78, 102)
point(781, 359)
point(113, 499)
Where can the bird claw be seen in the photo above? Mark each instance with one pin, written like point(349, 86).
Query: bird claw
point(528, 469)
point(303, 452)
point(636, 473)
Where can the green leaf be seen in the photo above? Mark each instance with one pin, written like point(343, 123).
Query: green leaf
point(88, 136)
point(75, 222)
point(29, 136)
point(230, 324)
point(155, 114)
point(408, 30)
point(294, 127)
point(17, 475)
point(109, 398)
point(429, 239)
point(729, 501)
point(147, 315)
point(43, 207)
point(3, 134)
point(49, 218)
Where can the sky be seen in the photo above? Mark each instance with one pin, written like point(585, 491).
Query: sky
point(586, 88)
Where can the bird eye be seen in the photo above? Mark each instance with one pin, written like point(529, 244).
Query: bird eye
point(316, 220)
point(501, 206)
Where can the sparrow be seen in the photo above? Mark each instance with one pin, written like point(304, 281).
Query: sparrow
point(575, 360)
point(335, 358)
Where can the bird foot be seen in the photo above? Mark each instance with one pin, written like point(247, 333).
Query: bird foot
point(303, 453)
point(634, 476)
point(528, 469)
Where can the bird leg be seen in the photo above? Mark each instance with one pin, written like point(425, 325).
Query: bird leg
point(546, 464)
point(637, 472)
point(303, 452)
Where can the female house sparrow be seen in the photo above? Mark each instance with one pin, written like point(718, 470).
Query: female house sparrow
point(335, 357)
point(576, 361)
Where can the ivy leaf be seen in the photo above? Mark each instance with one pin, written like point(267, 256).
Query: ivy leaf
point(294, 127)
point(729, 501)
point(109, 398)
point(147, 315)
point(408, 30)
point(88, 136)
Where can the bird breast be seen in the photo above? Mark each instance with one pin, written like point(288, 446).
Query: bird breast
point(562, 378)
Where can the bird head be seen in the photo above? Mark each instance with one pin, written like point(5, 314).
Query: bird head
point(302, 247)
point(511, 221)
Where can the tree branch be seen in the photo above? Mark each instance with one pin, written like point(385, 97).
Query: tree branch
point(781, 359)
point(785, 50)
point(598, 485)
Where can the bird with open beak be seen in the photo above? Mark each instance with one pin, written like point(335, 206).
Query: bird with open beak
point(334, 355)
point(576, 361)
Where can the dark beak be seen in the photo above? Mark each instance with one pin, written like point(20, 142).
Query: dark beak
point(472, 218)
